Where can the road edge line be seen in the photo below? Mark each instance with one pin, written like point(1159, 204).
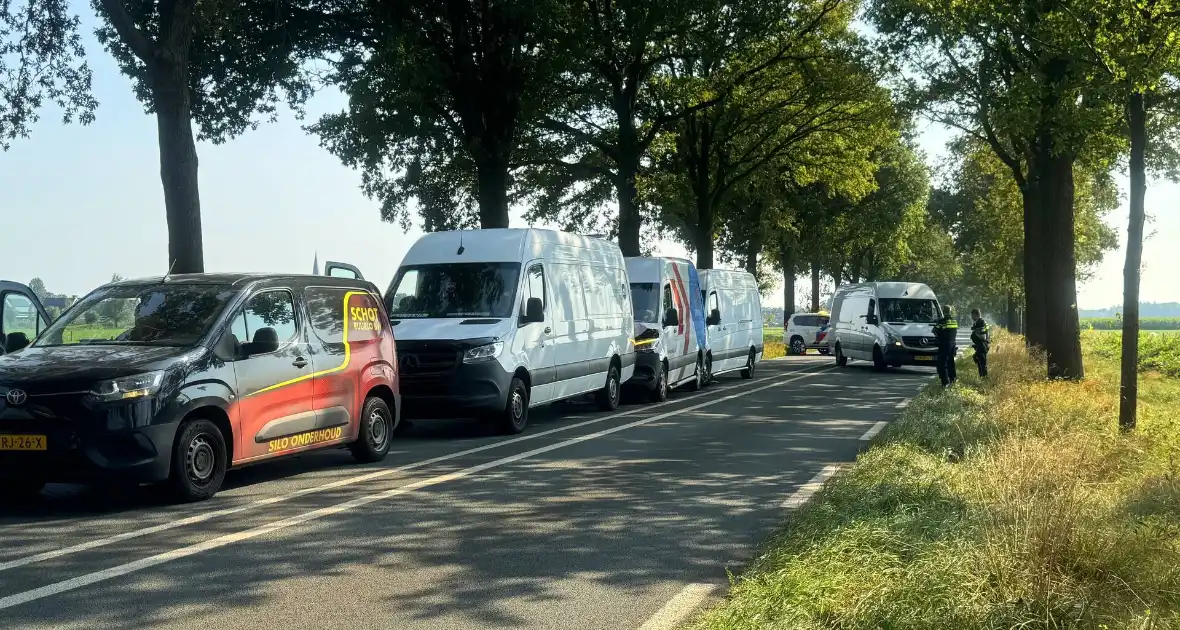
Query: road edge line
point(681, 606)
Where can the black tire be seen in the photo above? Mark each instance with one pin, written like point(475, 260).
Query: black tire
point(879, 359)
point(698, 383)
point(841, 360)
point(199, 461)
point(376, 432)
point(515, 416)
point(798, 346)
point(608, 396)
point(660, 393)
point(707, 379)
point(748, 371)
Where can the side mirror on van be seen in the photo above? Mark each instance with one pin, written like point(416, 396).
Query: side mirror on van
point(534, 311)
point(671, 317)
point(714, 318)
point(872, 320)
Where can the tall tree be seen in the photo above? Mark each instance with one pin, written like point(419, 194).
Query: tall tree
point(441, 97)
point(998, 70)
point(41, 59)
point(219, 64)
point(1135, 59)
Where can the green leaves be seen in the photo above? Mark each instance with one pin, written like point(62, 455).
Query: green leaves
point(41, 61)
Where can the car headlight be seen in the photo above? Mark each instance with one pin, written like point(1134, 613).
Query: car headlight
point(128, 387)
point(892, 339)
point(484, 353)
point(647, 345)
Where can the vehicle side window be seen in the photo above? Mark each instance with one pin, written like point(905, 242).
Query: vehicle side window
point(668, 301)
point(872, 307)
point(269, 309)
point(713, 303)
point(20, 315)
point(534, 285)
point(325, 310)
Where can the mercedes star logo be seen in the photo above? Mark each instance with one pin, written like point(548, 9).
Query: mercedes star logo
point(16, 397)
point(408, 362)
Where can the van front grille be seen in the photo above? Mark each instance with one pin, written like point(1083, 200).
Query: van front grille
point(920, 342)
point(422, 363)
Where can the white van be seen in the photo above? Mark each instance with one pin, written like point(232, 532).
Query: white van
point(490, 323)
point(733, 322)
point(669, 325)
point(888, 323)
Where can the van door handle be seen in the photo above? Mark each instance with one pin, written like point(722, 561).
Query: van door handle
point(300, 362)
point(548, 330)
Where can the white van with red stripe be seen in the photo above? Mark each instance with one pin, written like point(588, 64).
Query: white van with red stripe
point(669, 325)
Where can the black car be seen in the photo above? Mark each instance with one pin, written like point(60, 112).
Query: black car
point(177, 379)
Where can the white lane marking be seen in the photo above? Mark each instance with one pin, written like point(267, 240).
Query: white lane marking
point(873, 431)
point(228, 539)
point(805, 492)
point(903, 404)
point(206, 516)
point(680, 607)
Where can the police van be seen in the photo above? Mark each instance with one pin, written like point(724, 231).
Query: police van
point(178, 379)
point(491, 323)
point(888, 323)
point(733, 321)
point(669, 325)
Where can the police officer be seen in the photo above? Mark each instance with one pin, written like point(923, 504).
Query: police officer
point(981, 340)
point(945, 333)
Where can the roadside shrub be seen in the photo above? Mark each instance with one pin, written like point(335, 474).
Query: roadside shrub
point(1145, 323)
point(1158, 352)
point(773, 349)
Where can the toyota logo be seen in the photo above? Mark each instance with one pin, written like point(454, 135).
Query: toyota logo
point(16, 397)
point(408, 362)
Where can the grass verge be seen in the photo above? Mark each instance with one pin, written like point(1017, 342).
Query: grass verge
point(1011, 504)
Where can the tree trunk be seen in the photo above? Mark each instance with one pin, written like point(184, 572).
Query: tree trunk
point(492, 174)
point(814, 287)
point(754, 243)
point(630, 222)
point(1060, 315)
point(1034, 274)
point(178, 166)
point(1011, 317)
point(1129, 382)
point(704, 233)
point(787, 256)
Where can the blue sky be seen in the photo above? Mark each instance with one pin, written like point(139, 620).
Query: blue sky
point(86, 202)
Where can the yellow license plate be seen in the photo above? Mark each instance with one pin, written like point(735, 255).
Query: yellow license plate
point(923, 358)
point(22, 443)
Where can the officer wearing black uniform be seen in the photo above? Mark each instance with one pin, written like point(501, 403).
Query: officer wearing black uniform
point(946, 331)
point(981, 340)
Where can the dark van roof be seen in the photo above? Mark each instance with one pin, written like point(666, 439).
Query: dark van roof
point(245, 279)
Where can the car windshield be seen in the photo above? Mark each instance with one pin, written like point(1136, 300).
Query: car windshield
point(645, 301)
point(908, 311)
point(155, 315)
point(454, 290)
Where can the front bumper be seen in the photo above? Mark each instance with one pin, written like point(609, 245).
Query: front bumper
point(81, 449)
point(470, 390)
point(908, 356)
point(647, 367)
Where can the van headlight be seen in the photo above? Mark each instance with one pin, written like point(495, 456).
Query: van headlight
point(484, 353)
point(137, 386)
point(892, 339)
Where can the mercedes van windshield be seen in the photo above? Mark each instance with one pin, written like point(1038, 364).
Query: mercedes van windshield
point(908, 311)
point(645, 301)
point(443, 290)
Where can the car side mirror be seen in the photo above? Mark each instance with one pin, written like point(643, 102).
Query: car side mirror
point(534, 311)
point(671, 317)
point(16, 341)
point(873, 320)
point(714, 318)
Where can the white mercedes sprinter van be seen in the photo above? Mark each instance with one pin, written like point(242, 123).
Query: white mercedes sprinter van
point(888, 323)
point(733, 323)
point(669, 325)
point(490, 323)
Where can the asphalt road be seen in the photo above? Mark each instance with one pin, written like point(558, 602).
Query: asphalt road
point(587, 520)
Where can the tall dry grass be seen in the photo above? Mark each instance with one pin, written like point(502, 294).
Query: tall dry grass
point(1009, 504)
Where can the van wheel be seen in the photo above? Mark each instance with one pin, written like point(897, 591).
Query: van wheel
point(797, 346)
point(199, 461)
point(841, 360)
point(373, 440)
point(878, 359)
point(608, 396)
point(701, 378)
point(748, 371)
point(660, 393)
point(515, 416)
